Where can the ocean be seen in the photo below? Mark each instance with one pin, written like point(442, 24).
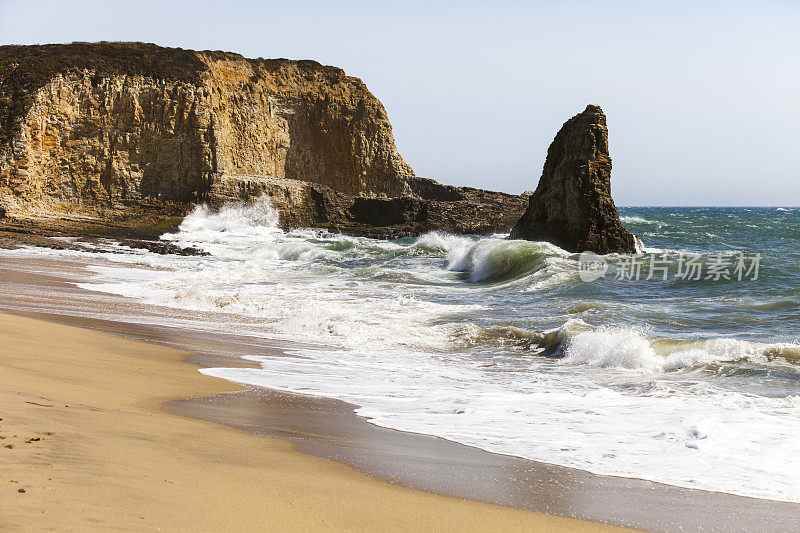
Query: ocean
point(678, 365)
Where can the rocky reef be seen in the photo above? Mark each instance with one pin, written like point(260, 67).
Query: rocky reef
point(572, 205)
point(117, 132)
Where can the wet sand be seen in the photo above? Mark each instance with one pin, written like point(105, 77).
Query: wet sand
point(328, 428)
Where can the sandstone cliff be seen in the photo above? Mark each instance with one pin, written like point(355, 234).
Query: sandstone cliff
point(572, 205)
point(106, 129)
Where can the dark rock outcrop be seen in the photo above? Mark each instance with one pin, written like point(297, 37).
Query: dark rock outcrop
point(301, 203)
point(572, 205)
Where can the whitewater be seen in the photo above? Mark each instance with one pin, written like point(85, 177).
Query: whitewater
point(498, 344)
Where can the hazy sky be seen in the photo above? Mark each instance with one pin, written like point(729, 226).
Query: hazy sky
point(702, 98)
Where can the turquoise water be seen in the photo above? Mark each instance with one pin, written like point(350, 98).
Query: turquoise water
point(766, 309)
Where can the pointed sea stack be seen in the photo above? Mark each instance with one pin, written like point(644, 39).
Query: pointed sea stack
point(572, 205)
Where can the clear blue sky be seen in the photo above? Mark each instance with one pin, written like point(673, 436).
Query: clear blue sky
point(702, 98)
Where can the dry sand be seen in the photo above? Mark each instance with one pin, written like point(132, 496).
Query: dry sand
point(85, 434)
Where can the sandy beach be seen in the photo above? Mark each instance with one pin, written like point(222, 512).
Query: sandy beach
point(87, 443)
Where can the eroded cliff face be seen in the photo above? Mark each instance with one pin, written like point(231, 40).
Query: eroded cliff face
point(104, 136)
point(303, 121)
point(93, 142)
point(109, 129)
point(572, 205)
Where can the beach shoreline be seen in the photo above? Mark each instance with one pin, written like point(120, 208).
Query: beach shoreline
point(329, 429)
point(88, 444)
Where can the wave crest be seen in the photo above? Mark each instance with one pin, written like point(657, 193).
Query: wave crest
point(498, 259)
point(630, 348)
point(639, 220)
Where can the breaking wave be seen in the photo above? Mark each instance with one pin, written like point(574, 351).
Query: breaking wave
point(639, 220)
point(628, 348)
point(203, 224)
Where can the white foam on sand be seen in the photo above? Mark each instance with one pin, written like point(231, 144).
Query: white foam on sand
point(560, 412)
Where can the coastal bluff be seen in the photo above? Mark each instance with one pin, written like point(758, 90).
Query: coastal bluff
point(113, 131)
point(572, 205)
